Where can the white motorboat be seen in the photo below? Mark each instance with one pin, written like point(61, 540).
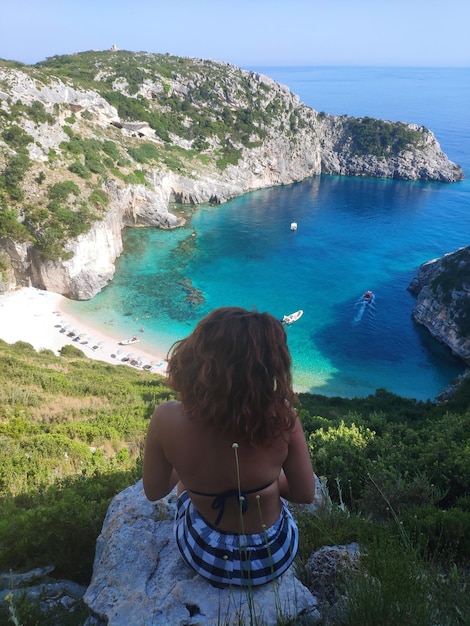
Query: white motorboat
point(127, 342)
point(293, 317)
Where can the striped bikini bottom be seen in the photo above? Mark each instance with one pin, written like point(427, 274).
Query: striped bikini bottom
point(235, 559)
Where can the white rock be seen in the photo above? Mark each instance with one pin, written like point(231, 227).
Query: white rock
point(140, 578)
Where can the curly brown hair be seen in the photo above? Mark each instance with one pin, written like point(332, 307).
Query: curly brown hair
point(233, 373)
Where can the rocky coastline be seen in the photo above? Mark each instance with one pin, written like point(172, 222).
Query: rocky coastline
point(442, 290)
point(293, 143)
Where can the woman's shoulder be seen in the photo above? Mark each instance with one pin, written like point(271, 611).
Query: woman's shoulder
point(165, 414)
point(170, 407)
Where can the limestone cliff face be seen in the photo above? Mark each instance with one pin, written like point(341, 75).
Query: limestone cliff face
point(93, 254)
point(428, 162)
point(442, 305)
point(208, 132)
point(91, 266)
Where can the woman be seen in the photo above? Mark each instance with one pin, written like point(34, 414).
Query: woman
point(234, 446)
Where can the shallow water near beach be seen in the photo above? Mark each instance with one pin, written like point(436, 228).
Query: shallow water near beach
point(353, 235)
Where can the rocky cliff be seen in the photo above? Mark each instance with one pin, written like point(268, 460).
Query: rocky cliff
point(140, 577)
point(94, 142)
point(442, 287)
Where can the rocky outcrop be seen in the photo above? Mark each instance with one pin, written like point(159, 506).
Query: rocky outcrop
point(428, 162)
point(140, 577)
point(442, 290)
point(39, 588)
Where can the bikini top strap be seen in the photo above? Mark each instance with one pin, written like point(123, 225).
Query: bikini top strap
point(218, 503)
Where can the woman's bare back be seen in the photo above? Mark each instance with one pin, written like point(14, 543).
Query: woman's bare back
point(206, 462)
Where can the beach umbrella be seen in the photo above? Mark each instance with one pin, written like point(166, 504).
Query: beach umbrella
point(119, 352)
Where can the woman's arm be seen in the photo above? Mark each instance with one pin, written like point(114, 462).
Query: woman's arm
point(159, 476)
point(297, 480)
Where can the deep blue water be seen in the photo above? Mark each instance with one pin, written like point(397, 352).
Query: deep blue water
point(353, 235)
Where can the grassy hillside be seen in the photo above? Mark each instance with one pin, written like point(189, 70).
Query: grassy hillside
point(71, 435)
point(397, 472)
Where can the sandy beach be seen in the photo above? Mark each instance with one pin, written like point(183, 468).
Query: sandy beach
point(35, 316)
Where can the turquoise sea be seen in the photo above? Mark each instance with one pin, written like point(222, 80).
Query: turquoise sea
point(353, 235)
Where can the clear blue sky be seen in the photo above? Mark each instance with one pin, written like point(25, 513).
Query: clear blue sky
point(245, 32)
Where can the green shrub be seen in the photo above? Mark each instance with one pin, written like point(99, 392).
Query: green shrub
point(446, 532)
point(341, 451)
point(80, 170)
point(94, 165)
point(40, 178)
point(144, 153)
point(137, 177)
point(230, 156)
point(100, 198)
point(36, 111)
point(11, 227)
point(388, 493)
point(46, 352)
point(59, 526)
point(381, 138)
point(62, 190)
point(68, 131)
point(14, 172)
point(110, 148)
point(71, 351)
point(24, 348)
point(16, 137)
